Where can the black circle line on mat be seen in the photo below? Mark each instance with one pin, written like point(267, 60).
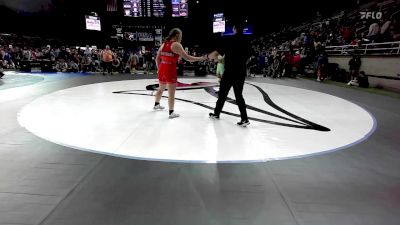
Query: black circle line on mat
point(301, 122)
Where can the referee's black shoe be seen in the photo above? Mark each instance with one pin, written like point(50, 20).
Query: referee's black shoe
point(243, 123)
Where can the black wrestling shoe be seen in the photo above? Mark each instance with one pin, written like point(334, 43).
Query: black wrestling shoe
point(213, 116)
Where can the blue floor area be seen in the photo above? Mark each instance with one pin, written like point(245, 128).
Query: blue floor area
point(14, 79)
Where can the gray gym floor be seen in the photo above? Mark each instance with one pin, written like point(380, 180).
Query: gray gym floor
point(44, 183)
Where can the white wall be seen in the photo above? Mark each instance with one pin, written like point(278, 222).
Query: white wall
point(388, 66)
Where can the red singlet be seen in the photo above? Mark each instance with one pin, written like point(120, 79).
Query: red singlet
point(167, 73)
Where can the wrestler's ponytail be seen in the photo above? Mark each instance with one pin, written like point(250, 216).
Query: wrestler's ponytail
point(173, 33)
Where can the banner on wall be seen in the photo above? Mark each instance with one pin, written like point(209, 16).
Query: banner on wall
point(139, 34)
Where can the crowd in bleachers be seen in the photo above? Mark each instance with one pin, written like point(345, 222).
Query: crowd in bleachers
point(291, 51)
point(302, 47)
point(16, 51)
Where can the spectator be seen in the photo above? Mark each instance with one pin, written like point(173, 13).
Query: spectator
point(61, 66)
point(63, 54)
point(72, 66)
point(322, 64)
point(252, 64)
point(88, 51)
point(148, 58)
point(384, 32)
point(374, 31)
point(27, 54)
point(361, 80)
point(116, 64)
point(354, 67)
point(107, 58)
point(7, 61)
point(287, 64)
point(261, 62)
point(347, 33)
point(220, 67)
point(133, 62)
point(297, 63)
point(355, 41)
point(87, 64)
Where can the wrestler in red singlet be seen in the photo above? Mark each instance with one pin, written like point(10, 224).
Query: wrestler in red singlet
point(166, 61)
point(168, 73)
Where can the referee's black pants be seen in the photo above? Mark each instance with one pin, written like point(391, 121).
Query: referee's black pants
point(224, 88)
